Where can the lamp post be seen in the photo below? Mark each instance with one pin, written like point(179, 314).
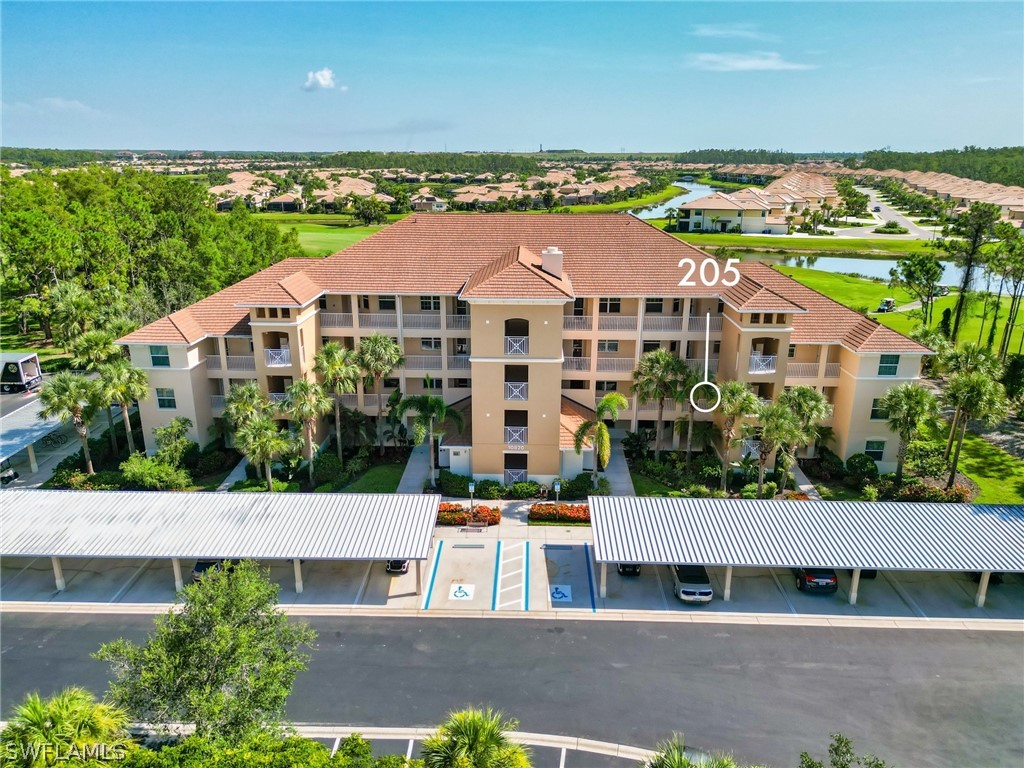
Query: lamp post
point(558, 489)
point(472, 509)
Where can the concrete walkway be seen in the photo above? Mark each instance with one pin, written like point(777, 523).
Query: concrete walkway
point(617, 472)
point(417, 471)
point(237, 474)
point(804, 484)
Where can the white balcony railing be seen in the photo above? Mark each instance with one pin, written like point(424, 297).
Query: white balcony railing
point(656, 323)
point(576, 364)
point(217, 402)
point(515, 476)
point(335, 319)
point(616, 323)
point(350, 400)
point(574, 323)
point(762, 363)
point(517, 345)
point(802, 370)
point(421, 320)
point(378, 320)
point(241, 363)
point(615, 363)
point(213, 363)
point(698, 323)
point(515, 435)
point(277, 397)
point(652, 406)
point(831, 370)
point(458, 322)
point(458, 362)
point(516, 390)
point(423, 362)
point(276, 358)
point(750, 448)
point(697, 364)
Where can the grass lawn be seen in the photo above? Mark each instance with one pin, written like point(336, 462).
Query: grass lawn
point(644, 486)
point(625, 205)
point(724, 184)
point(851, 291)
point(325, 239)
point(51, 358)
point(1000, 476)
point(383, 478)
point(970, 326)
point(212, 482)
point(863, 247)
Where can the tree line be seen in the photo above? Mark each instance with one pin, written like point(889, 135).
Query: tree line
point(1001, 165)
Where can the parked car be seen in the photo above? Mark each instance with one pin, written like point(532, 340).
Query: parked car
point(691, 583)
point(628, 569)
point(942, 290)
point(202, 567)
point(877, 209)
point(397, 566)
point(816, 580)
point(887, 305)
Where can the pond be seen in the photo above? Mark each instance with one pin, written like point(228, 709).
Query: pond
point(693, 191)
point(877, 268)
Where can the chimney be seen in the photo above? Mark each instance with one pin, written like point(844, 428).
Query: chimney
point(551, 261)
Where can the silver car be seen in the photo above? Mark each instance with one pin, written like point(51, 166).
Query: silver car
point(691, 583)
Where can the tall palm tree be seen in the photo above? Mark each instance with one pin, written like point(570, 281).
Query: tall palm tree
point(474, 738)
point(596, 431)
point(811, 408)
point(738, 400)
point(656, 379)
point(260, 440)
point(672, 754)
point(778, 428)
point(429, 409)
point(90, 351)
point(378, 356)
point(974, 396)
point(123, 383)
point(909, 407)
point(71, 719)
point(72, 308)
point(72, 398)
point(245, 402)
point(688, 378)
point(967, 358)
point(338, 367)
point(306, 402)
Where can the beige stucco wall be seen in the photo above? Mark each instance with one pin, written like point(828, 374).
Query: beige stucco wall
point(187, 376)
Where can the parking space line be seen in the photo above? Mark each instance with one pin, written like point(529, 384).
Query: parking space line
point(904, 595)
point(792, 608)
point(526, 576)
point(661, 587)
point(497, 576)
point(362, 587)
point(408, 750)
point(561, 760)
point(590, 578)
point(131, 581)
point(9, 581)
point(337, 743)
point(433, 575)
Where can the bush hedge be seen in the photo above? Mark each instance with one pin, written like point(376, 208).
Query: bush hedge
point(916, 490)
point(449, 513)
point(560, 513)
point(260, 486)
point(861, 469)
point(147, 473)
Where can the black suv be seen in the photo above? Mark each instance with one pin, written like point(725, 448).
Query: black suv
point(816, 580)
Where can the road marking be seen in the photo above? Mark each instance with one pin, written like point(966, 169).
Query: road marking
point(904, 595)
point(7, 582)
point(590, 578)
point(526, 576)
point(337, 743)
point(561, 760)
point(497, 578)
point(408, 750)
point(510, 579)
point(661, 587)
point(433, 575)
point(131, 581)
point(792, 608)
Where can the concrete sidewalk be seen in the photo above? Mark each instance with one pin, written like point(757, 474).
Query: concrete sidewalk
point(617, 472)
point(804, 484)
point(417, 471)
point(237, 474)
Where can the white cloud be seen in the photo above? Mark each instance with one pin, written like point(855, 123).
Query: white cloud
point(756, 61)
point(51, 105)
point(743, 31)
point(322, 79)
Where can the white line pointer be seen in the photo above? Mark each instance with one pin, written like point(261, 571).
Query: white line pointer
point(707, 381)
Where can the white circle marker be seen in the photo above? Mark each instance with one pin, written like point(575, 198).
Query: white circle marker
point(707, 382)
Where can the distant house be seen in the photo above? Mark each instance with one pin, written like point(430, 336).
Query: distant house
point(154, 155)
point(125, 156)
point(196, 154)
point(286, 203)
point(720, 212)
point(428, 203)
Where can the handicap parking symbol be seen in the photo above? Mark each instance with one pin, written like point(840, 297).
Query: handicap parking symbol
point(561, 593)
point(461, 591)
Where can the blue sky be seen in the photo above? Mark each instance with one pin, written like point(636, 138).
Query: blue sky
point(512, 76)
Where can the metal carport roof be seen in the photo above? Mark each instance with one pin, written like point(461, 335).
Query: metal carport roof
point(144, 524)
point(837, 534)
point(23, 427)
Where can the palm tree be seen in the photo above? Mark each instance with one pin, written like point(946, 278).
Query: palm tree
point(967, 358)
point(355, 428)
point(429, 409)
point(123, 384)
point(688, 378)
point(596, 431)
point(655, 379)
point(337, 366)
point(71, 309)
point(71, 397)
point(474, 738)
point(671, 215)
point(738, 400)
point(778, 427)
point(90, 351)
point(974, 396)
point(909, 407)
point(672, 754)
point(811, 407)
point(260, 440)
point(378, 356)
point(245, 402)
point(71, 719)
point(306, 402)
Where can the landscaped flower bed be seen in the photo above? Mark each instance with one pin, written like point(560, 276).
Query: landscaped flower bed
point(456, 514)
point(560, 513)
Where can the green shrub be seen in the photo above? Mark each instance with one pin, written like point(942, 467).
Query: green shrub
point(769, 490)
point(870, 493)
point(489, 489)
point(717, 493)
point(524, 490)
point(825, 492)
point(924, 459)
point(326, 468)
point(749, 491)
point(260, 486)
point(148, 473)
point(861, 469)
point(451, 484)
point(104, 480)
point(325, 488)
point(697, 491)
point(213, 460)
point(251, 471)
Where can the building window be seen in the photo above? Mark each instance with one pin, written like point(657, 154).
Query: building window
point(165, 398)
point(677, 304)
point(780, 319)
point(792, 351)
point(462, 346)
point(875, 449)
point(429, 383)
point(698, 212)
point(608, 345)
point(364, 303)
point(460, 383)
point(272, 312)
point(390, 383)
point(461, 307)
point(721, 307)
point(430, 343)
point(610, 305)
point(322, 302)
point(261, 312)
point(430, 303)
point(716, 347)
point(286, 312)
point(755, 318)
point(654, 306)
point(607, 386)
point(650, 346)
point(877, 412)
point(386, 303)
point(673, 347)
point(888, 365)
point(575, 384)
point(577, 308)
point(159, 356)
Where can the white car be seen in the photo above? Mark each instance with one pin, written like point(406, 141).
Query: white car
point(691, 583)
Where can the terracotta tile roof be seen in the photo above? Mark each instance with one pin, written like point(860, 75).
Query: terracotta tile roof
point(516, 274)
point(748, 295)
point(295, 290)
point(571, 417)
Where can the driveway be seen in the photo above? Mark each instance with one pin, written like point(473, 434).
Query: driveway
point(888, 213)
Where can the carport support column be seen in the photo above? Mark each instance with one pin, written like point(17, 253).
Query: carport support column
point(982, 589)
point(32, 463)
point(854, 586)
point(604, 580)
point(728, 583)
point(58, 574)
point(178, 583)
point(298, 575)
point(419, 577)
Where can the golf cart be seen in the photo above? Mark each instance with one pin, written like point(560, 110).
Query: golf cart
point(887, 305)
point(20, 371)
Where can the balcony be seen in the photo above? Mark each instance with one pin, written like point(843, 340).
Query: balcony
point(457, 322)
point(217, 402)
point(574, 323)
point(762, 363)
point(697, 364)
point(241, 363)
point(378, 320)
point(831, 370)
point(802, 370)
point(458, 362)
point(335, 319)
point(349, 400)
point(213, 363)
point(698, 324)
point(750, 448)
point(669, 324)
point(423, 362)
point(277, 397)
point(277, 358)
point(421, 320)
point(515, 435)
point(615, 364)
point(576, 364)
point(516, 390)
point(616, 323)
point(517, 345)
point(651, 406)
point(515, 476)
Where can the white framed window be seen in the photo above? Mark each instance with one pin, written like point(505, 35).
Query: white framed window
point(607, 386)
point(875, 449)
point(159, 356)
point(609, 305)
point(878, 413)
point(792, 351)
point(608, 345)
point(650, 346)
point(430, 303)
point(654, 306)
point(385, 303)
point(165, 398)
point(888, 365)
point(430, 343)
point(429, 383)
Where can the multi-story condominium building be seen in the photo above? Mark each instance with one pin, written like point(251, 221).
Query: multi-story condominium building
point(524, 322)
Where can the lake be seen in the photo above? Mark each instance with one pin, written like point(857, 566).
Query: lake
point(878, 268)
point(694, 190)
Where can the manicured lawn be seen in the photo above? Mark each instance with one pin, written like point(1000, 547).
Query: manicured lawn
point(851, 291)
point(644, 486)
point(725, 184)
point(51, 358)
point(832, 245)
point(970, 326)
point(1000, 476)
point(325, 239)
point(383, 478)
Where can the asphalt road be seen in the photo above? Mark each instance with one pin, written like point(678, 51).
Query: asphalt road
point(913, 697)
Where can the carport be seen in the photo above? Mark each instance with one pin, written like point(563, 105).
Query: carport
point(216, 526)
point(855, 535)
point(21, 429)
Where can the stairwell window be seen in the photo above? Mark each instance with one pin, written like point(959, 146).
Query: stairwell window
point(607, 386)
point(159, 356)
point(755, 319)
point(792, 351)
point(888, 365)
point(875, 449)
point(165, 398)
